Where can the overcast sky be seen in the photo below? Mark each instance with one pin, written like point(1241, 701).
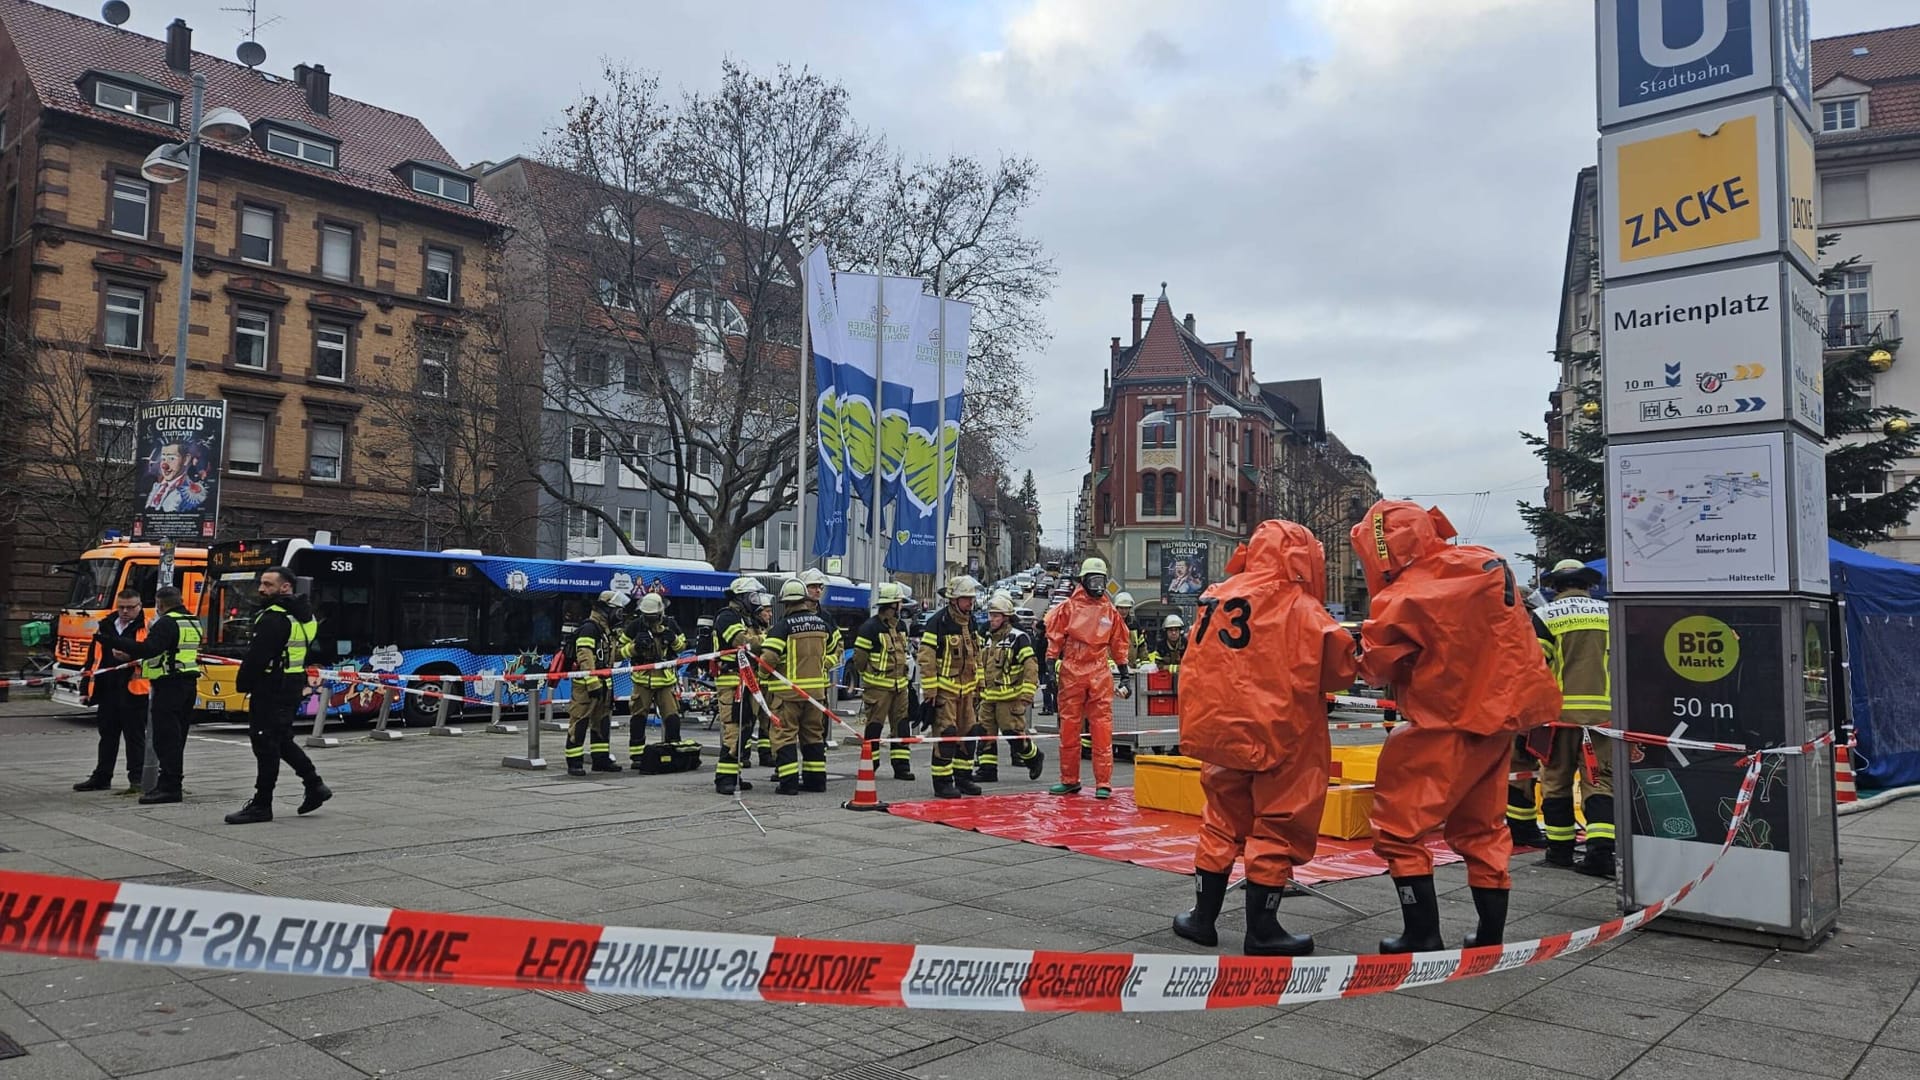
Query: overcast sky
point(1376, 191)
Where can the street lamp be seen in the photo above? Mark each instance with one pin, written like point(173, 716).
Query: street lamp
point(1165, 416)
point(171, 163)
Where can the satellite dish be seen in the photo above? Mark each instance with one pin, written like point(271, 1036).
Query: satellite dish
point(251, 53)
point(116, 12)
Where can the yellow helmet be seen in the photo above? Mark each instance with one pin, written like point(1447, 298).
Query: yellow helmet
point(1001, 604)
point(651, 604)
point(1093, 565)
point(962, 586)
point(791, 590)
point(1124, 601)
point(889, 593)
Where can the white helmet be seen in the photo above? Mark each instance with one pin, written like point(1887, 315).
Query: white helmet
point(1001, 604)
point(1093, 565)
point(888, 593)
point(742, 586)
point(616, 601)
point(811, 577)
point(1124, 601)
point(1173, 622)
point(791, 590)
point(962, 586)
point(651, 604)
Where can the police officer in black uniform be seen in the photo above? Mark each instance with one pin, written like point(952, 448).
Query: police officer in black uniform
point(170, 662)
point(274, 675)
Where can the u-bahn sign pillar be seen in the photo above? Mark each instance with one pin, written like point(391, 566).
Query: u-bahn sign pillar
point(1716, 481)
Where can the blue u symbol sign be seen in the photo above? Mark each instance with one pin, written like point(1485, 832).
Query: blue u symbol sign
point(1669, 47)
point(1654, 48)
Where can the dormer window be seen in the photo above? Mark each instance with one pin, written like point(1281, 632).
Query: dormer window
point(133, 100)
point(302, 147)
point(1842, 114)
point(442, 186)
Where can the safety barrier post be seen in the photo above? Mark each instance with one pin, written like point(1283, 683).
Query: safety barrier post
point(319, 739)
point(380, 730)
point(1844, 789)
point(552, 704)
point(866, 795)
point(532, 758)
point(440, 725)
point(495, 726)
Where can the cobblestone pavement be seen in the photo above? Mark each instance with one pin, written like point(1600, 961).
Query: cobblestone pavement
point(437, 824)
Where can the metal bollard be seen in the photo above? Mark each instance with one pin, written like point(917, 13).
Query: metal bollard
point(495, 726)
point(320, 739)
point(532, 759)
point(553, 706)
point(440, 725)
point(380, 730)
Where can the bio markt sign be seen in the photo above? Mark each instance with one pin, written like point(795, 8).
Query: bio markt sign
point(1661, 55)
point(1696, 351)
point(1678, 193)
point(1698, 515)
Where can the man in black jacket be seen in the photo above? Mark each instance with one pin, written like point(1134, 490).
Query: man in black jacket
point(274, 674)
point(120, 698)
point(170, 662)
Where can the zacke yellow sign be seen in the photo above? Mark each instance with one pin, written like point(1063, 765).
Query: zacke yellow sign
point(1690, 190)
point(1800, 184)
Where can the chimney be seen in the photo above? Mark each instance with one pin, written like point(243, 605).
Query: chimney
point(319, 90)
point(300, 74)
point(1138, 299)
point(1188, 322)
point(1116, 348)
point(180, 46)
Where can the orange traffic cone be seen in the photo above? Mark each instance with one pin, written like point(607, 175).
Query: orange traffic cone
point(866, 794)
point(1844, 791)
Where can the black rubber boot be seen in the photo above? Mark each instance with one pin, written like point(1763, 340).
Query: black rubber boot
point(94, 783)
point(158, 796)
point(576, 767)
point(1420, 911)
point(256, 811)
point(1265, 935)
point(1196, 925)
point(963, 782)
point(1598, 861)
point(788, 785)
point(726, 785)
point(317, 793)
point(943, 788)
point(1492, 907)
point(1559, 853)
point(987, 774)
point(1035, 764)
point(903, 770)
point(605, 763)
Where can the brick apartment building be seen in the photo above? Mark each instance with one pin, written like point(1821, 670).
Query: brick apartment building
point(335, 246)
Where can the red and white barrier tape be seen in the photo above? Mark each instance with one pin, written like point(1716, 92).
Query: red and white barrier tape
point(59, 680)
point(169, 927)
point(513, 678)
point(1354, 701)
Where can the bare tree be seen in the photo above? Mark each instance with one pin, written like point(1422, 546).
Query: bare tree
point(66, 435)
point(674, 306)
point(1327, 488)
point(957, 223)
point(451, 432)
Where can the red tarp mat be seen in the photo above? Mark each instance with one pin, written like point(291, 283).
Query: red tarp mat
point(1117, 829)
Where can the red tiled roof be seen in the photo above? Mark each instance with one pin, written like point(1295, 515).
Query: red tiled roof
point(1891, 70)
point(57, 48)
point(1166, 350)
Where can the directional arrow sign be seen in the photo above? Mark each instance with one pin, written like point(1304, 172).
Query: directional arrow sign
point(1749, 404)
point(1679, 730)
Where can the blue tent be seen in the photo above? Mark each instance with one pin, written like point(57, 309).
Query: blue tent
point(1880, 603)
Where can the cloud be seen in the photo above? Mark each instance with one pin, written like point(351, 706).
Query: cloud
point(1376, 190)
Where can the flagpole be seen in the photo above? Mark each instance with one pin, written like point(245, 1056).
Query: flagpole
point(803, 544)
point(879, 382)
point(940, 451)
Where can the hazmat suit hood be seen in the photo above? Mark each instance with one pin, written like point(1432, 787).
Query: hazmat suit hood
point(1394, 535)
point(1289, 551)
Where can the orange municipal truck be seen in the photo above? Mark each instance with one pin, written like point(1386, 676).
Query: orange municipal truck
point(100, 574)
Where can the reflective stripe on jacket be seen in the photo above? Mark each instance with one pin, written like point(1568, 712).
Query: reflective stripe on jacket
point(590, 651)
point(880, 654)
point(1581, 649)
point(949, 654)
point(184, 658)
point(650, 643)
point(800, 647)
point(730, 631)
point(1012, 666)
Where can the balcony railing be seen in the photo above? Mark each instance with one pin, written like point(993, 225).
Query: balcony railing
point(1863, 330)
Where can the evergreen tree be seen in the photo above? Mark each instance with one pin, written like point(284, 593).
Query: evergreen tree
point(1864, 443)
point(1030, 499)
point(1579, 532)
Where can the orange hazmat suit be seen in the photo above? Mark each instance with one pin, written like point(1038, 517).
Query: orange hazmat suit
point(1449, 630)
point(1263, 652)
point(1084, 632)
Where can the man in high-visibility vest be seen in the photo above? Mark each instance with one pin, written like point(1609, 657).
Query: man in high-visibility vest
point(797, 647)
point(590, 712)
point(950, 679)
point(734, 628)
point(1009, 682)
point(119, 697)
point(274, 675)
point(1579, 657)
point(652, 636)
point(169, 658)
point(880, 660)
